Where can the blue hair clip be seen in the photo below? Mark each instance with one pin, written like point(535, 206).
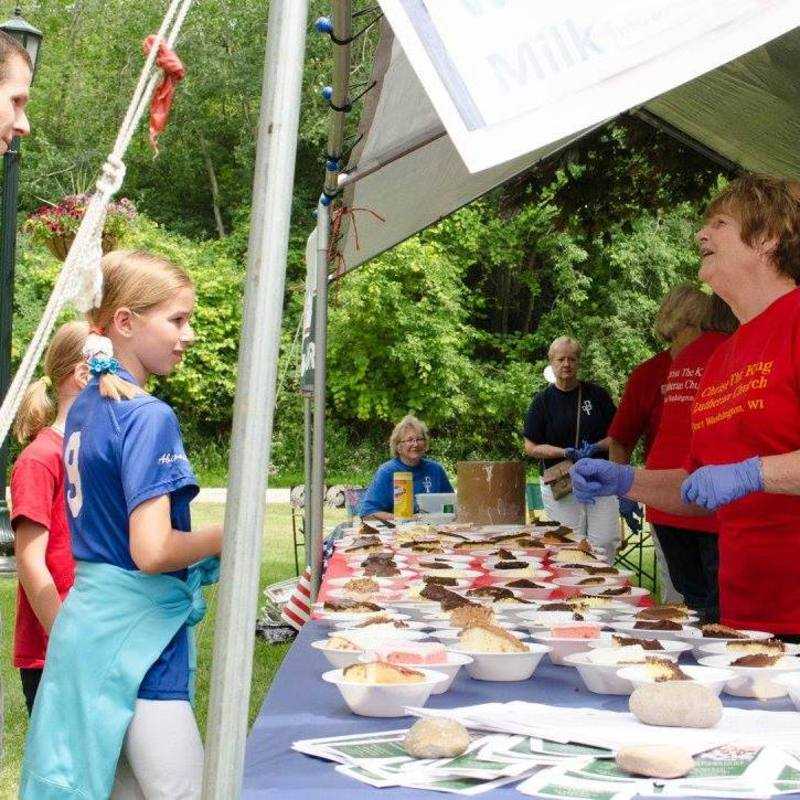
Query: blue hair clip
point(102, 365)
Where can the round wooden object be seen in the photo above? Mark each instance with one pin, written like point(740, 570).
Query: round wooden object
point(491, 492)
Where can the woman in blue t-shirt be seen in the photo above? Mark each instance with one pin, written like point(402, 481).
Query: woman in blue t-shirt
point(113, 714)
point(408, 445)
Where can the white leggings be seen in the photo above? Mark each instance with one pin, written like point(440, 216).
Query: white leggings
point(162, 755)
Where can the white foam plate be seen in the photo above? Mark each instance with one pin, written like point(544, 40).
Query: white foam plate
point(450, 668)
point(504, 666)
point(712, 677)
point(385, 700)
point(754, 682)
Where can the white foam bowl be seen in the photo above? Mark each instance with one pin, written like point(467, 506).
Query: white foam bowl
point(626, 628)
point(337, 658)
point(382, 597)
point(694, 636)
point(561, 647)
point(791, 682)
point(458, 573)
point(332, 618)
point(528, 594)
point(450, 668)
point(712, 677)
point(672, 649)
point(503, 666)
point(450, 558)
point(754, 682)
point(440, 622)
point(339, 583)
point(715, 647)
point(636, 593)
point(491, 561)
point(536, 620)
point(599, 678)
point(533, 572)
point(576, 572)
point(404, 576)
point(449, 636)
point(384, 700)
point(613, 610)
point(416, 609)
point(573, 581)
point(412, 624)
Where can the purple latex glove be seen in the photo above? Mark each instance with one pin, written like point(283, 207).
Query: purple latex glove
point(595, 477)
point(588, 450)
point(715, 486)
point(572, 453)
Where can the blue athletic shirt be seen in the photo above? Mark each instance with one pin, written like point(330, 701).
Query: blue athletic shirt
point(428, 477)
point(119, 453)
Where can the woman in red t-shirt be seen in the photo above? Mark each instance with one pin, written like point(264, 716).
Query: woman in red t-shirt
point(38, 509)
point(744, 460)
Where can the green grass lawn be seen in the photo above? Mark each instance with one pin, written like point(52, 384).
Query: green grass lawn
point(277, 563)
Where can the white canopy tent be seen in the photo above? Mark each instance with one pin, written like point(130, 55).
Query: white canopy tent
point(469, 93)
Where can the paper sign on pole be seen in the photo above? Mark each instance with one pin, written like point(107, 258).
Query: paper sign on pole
point(509, 76)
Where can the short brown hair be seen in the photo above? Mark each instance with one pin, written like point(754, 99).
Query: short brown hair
point(10, 47)
point(766, 207)
point(683, 305)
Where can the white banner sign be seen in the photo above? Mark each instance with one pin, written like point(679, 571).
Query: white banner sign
point(510, 76)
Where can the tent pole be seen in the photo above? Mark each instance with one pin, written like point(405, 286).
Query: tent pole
point(307, 461)
point(320, 380)
point(254, 405)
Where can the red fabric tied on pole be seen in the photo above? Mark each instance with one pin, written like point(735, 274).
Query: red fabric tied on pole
point(161, 104)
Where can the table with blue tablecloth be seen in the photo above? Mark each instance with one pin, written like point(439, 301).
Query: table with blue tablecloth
point(300, 705)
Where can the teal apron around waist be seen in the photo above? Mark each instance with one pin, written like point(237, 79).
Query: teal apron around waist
point(112, 627)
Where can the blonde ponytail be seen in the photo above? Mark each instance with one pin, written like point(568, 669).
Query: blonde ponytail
point(39, 403)
point(36, 411)
point(139, 281)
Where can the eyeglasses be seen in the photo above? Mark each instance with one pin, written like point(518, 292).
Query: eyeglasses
point(414, 440)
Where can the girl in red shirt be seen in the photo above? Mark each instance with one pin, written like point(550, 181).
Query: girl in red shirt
point(38, 510)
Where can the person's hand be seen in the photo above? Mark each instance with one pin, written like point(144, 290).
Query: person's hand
point(632, 513)
point(715, 486)
point(596, 477)
point(572, 453)
point(588, 450)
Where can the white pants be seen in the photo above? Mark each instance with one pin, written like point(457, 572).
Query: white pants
point(599, 523)
point(162, 755)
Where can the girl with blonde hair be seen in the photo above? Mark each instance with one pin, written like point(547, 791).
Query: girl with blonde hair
point(45, 566)
point(113, 715)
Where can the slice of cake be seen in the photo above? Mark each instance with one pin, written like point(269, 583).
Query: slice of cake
point(575, 632)
point(748, 647)
point(627, 641)
point(661, 670)
point(757, 660)
point(587, 603)
point(597, 581)
point(435, 564)
point(350, 606)
point(463, 616)
point(616, 591)
point(440, 580)
point(572, 555)
point(557, 606)
point(412, 653)
point(382, 673)
point(524, 583)
point(493, 592)
point(382, 619)
point(673, 612)
point(489, 639)
point(515, 565)
point(339, 642)
point(361, 586)
point(716, 631)
point(658, 625)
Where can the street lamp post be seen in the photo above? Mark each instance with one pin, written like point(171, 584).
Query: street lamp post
point(30, 38)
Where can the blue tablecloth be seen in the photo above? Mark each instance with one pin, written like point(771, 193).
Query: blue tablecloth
point(301, 706)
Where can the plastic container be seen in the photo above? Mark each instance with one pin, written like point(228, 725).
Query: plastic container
point(435, 502)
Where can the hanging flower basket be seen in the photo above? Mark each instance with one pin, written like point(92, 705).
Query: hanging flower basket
point(55, 225)
point(59, 244)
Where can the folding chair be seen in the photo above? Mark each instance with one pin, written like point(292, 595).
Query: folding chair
point(297, 504)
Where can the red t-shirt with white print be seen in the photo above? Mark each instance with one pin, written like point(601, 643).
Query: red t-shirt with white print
point(671, 445)
point(748, 404)
point(37, 494)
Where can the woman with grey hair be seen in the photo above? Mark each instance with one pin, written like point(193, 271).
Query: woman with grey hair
point(569, 419)
point(408, 445)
